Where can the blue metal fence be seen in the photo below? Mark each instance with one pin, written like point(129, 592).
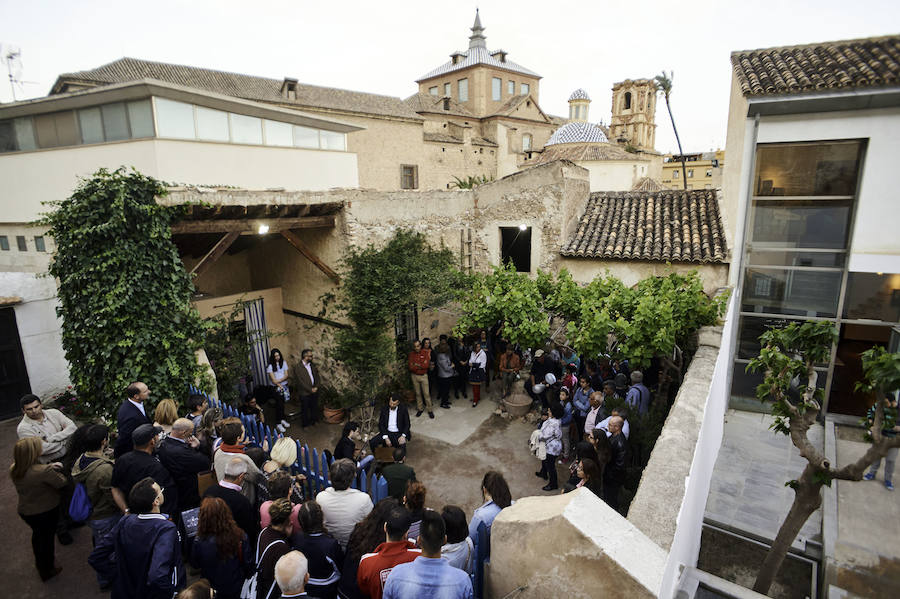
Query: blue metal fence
point(312, 463)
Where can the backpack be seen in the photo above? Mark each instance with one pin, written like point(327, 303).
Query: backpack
point(80, 506)
point(248, 590)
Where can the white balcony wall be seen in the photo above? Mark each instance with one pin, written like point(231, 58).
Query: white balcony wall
point(30, 178)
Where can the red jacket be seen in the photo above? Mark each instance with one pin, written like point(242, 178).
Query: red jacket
point(419, 361)
point(375, 567)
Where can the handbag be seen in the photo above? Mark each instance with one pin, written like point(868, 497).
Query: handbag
point(248, 590)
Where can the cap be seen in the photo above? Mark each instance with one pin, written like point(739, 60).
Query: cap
point(538, 353)
point(143, 434)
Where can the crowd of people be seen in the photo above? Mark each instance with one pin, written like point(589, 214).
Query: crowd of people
point(197, 490)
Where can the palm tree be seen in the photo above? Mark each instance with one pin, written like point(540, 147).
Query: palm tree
point(664, 84)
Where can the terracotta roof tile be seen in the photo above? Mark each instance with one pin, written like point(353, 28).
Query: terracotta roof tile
point(579, 152)
point(662, 226)
point(247, 87)
point(848, 64)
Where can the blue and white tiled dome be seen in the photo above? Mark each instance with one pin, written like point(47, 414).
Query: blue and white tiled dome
point(579, 94)
point(577, 132)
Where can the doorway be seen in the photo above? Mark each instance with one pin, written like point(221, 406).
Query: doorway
point(854, 340)
point(14, 381)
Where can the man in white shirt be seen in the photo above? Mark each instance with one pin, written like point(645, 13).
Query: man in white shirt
point(52, 426)
point(393, 425)
point(593, 414)
point(342, 506)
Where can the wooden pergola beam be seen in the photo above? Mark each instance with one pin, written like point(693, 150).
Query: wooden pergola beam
point(301, 247)
point(244, 225)
point(215, 253)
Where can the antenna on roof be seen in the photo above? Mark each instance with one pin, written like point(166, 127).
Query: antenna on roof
point(12, 58)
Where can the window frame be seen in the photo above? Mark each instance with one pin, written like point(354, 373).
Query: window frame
point(496, 89)
point(413, 176)
point(462, 85)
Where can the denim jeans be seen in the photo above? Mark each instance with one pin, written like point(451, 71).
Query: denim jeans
point(889, 460)
point(99, 529)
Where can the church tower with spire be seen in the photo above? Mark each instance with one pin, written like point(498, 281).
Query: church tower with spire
point(483, 81)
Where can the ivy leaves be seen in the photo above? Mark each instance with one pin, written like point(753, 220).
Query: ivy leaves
point(124, 294)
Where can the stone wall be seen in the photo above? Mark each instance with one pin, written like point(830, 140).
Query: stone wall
point(571, 545)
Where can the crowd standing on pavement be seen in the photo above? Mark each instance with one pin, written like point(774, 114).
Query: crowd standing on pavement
point(198, 490)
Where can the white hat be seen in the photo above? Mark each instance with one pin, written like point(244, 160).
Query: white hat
point(550, 378)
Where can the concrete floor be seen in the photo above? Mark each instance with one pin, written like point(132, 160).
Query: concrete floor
point(747, 490)
point(451, 471)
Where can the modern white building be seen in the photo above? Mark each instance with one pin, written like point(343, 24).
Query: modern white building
point(810, 187)
point(177, 134)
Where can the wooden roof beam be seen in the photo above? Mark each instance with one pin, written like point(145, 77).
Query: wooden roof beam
point(304, 249)
point(245, 225)
point(215, 253)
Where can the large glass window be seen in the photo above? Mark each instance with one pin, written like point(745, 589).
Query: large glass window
point(278, 134)
point(57, 129)
point(24, 133)
point(174, 119)
point(496, 89)
point(304, 137)
point(511, 87)
point(332, 140)
point(795, 255)
point(115, 122)
point(245, 129)
point(91, 123)
point(212, 125)
point(140, 117)
point(526, 89)
point(821, 169)
point(463, 87)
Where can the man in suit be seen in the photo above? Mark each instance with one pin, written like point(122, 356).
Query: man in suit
point(179, 454)
point(229, 491)
point(132, 414)
point(308, 382)
point(393, 426)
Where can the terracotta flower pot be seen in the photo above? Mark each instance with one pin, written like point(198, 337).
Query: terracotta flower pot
point(333, 415)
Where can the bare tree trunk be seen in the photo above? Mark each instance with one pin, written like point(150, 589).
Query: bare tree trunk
point(807, 499)
point(677, 139)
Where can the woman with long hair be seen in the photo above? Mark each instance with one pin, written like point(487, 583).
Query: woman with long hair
point(165, 415)
point(495, 493)
point(366, 536)
point(443, 359)
point(38, 486)
point(278, 376)
point(591, 476)
point(323, 553)
point(206, 431)
point(459, 549)
point(477, 364)
point(414, 502)
point(274, 541)
point(221, 550)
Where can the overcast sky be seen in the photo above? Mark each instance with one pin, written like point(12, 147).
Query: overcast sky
point(383, 47)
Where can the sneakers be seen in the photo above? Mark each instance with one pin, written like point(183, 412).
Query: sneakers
point(281, 428)
point(869, 476)
point(419, 413)
point(285, 423)
point(888, 485)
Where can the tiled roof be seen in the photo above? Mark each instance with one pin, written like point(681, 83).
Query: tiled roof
point(671, 226)
point(475, 56)
point(579, 94)
point(648, 184)
point(240, 86)
point(849, 64)
point(425, 102)
point(577, 132)
point(584, 152)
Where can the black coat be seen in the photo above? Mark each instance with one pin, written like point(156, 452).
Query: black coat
point(129, 419)
point(345, 448)
point(184, 464)
point(402, 421)
point(137, 465)
point(240, 507)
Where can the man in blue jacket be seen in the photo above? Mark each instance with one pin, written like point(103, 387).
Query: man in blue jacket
point(142, 553)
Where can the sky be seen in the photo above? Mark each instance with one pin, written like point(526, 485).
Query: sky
point(383, 47)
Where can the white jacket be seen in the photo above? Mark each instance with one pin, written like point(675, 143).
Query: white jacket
point(537, 447)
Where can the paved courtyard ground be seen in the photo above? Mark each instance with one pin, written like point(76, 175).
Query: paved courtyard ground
point(450, 455)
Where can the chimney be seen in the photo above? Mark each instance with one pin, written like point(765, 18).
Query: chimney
point(499, 55)
point(289, 88)
point(456, 57)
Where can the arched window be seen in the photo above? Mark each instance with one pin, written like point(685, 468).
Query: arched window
point(627, 100)
point(526, 142)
